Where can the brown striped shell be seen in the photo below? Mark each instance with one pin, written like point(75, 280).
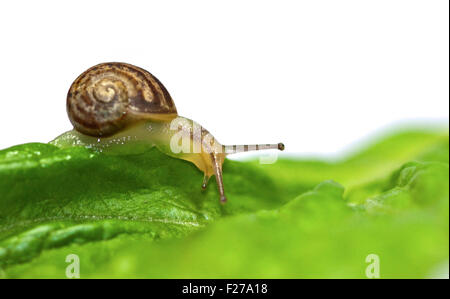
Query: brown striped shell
point(109, 96)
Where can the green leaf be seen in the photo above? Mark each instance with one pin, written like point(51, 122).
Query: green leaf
point(144, 215)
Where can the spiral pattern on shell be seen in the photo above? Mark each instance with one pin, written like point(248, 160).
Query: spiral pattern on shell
point(109, 96)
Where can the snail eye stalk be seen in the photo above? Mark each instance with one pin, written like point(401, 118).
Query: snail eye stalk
point(234, 149)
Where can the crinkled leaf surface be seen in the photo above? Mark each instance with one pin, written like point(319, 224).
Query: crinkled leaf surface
point(144, 215)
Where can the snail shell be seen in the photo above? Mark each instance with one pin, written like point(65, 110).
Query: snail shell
point(110, 96)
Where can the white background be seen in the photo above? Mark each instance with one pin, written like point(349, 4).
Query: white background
point(317, 75)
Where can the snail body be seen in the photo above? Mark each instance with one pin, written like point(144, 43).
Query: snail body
point(112, 105)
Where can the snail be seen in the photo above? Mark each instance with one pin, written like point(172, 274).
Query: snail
point(115, 103)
